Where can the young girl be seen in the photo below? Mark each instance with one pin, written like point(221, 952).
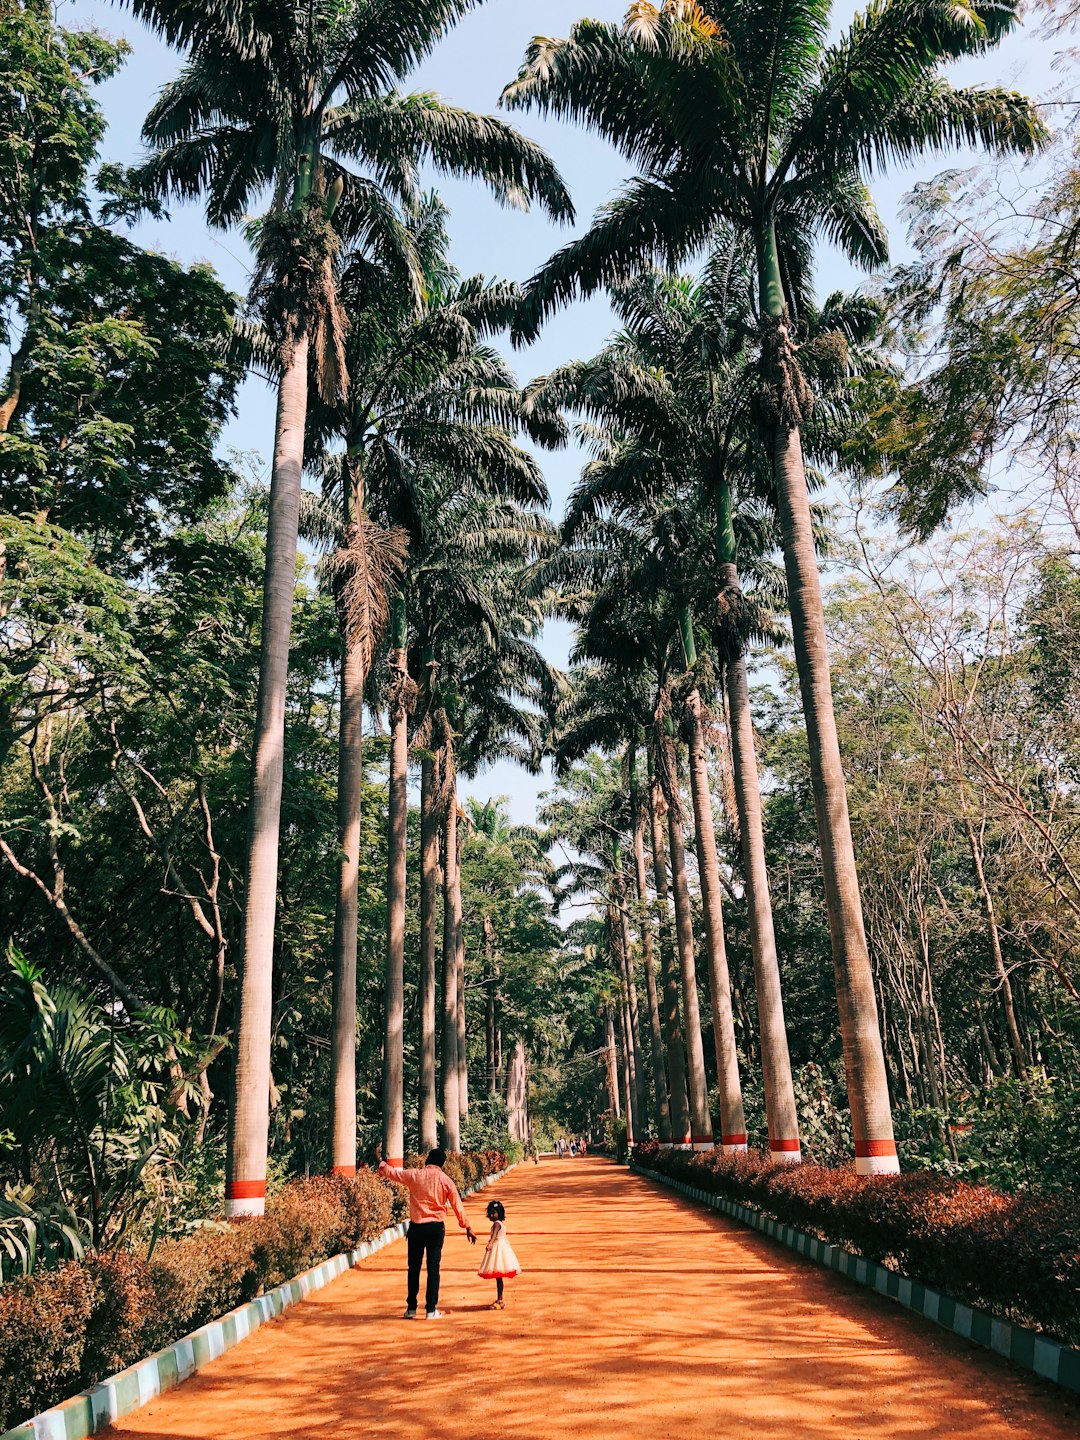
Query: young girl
point(499, 1262)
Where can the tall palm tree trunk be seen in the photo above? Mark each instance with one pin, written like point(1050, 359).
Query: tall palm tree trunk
point(489, 1040)
point(673, 1033)
point(618, 947)
point(781, 1113)
point(429, 886)
point(700, 1121)
point(633, 1018)
point(249, 1118)
point(732, 1116)
point(462, 1037)
point(451, 932)
point(864, 1061)
point(612, 1057)
point(656, 1037)
point(626, 1075)
point(393, 1100)
point(343, 1023)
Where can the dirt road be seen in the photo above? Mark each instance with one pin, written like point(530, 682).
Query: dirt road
point(638, 1315)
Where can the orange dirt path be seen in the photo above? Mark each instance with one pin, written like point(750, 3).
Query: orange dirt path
point(638, 1315)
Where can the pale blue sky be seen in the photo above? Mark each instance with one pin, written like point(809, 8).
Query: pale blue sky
point(469, 69)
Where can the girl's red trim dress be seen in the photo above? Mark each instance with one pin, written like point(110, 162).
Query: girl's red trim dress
point(499, 1262)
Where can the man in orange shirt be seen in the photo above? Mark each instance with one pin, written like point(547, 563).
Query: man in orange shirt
point(430, 1191)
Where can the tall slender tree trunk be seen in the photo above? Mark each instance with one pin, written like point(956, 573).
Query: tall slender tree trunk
point(732, 1117)
point(343, 1023)
point(393, 1098)
point(451, 932)
point(249, 1119)
point(618, 943)
point(489, 1040)
point(612, 1056)
point(656, 1037)
point(673, 1032)
point(462, 1053)
point(864, 1061)
point(429, 888)
point(633, 1018)
point(781, 1112)
point(517, 1093)
point(489, 1004)
point(1004, 985)
point(700, 1120)
point(626, 1075)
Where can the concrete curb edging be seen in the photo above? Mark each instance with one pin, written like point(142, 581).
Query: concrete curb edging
point(1047, 1358)
point(93, 1409)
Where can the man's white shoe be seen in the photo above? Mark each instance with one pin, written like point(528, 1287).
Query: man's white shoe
point(409, 1315)
point(434, 1315)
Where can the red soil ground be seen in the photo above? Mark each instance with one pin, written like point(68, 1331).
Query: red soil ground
point(638, 1315)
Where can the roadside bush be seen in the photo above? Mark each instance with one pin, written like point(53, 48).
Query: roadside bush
point(122, 1303)
point(1017, 1255)
point(62, 1330)
point(43, 1323)
point(210, 1271)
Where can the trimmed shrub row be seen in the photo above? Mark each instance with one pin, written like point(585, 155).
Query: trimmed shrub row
point(1017, 1255)
point(62, 1330)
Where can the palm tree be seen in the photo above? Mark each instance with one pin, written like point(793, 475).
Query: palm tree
point(589, 813)
point(670, 393)
point(607, 707)
point(761, 123)
point(289, 101)
point(611, 578)
point(424, 392)
point(472, 536)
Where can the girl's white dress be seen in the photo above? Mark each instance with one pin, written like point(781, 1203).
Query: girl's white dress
point(499, 1262)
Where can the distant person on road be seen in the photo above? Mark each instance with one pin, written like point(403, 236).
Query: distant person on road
point(499, 1262)
point(584, 1151)
point(430, 1191)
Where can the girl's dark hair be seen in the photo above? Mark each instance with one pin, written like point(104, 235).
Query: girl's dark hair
point(496, 1210)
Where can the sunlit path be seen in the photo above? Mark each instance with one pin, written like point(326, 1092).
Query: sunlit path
point(638, 1315)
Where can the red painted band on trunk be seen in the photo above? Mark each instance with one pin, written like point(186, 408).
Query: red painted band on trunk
point(864, 1149)
point(397, 1161)
point(349, 1171)
point(245, 1190)
point(702, 1140)
point(733, 1140)
point(784, 1145)
point(684, 1141)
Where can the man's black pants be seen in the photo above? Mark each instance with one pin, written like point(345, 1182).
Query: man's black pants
point(426, 1239)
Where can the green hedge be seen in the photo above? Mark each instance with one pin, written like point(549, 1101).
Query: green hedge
point(62, 1330)
point(1017, 1255)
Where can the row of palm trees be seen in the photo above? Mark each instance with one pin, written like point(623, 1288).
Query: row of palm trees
point(744, 122)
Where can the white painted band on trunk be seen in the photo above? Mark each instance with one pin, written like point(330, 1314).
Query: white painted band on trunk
point(666, 1145)
point(877, 1165)
point(786, 1157)
point(734, 1149)
point(682, 1145)
point(706, 1145)
point(235, 1209)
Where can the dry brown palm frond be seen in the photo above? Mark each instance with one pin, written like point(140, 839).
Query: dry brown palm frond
point(295, 291)
point(362, 572)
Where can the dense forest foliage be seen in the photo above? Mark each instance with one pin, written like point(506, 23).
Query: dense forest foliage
point(672, 886)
